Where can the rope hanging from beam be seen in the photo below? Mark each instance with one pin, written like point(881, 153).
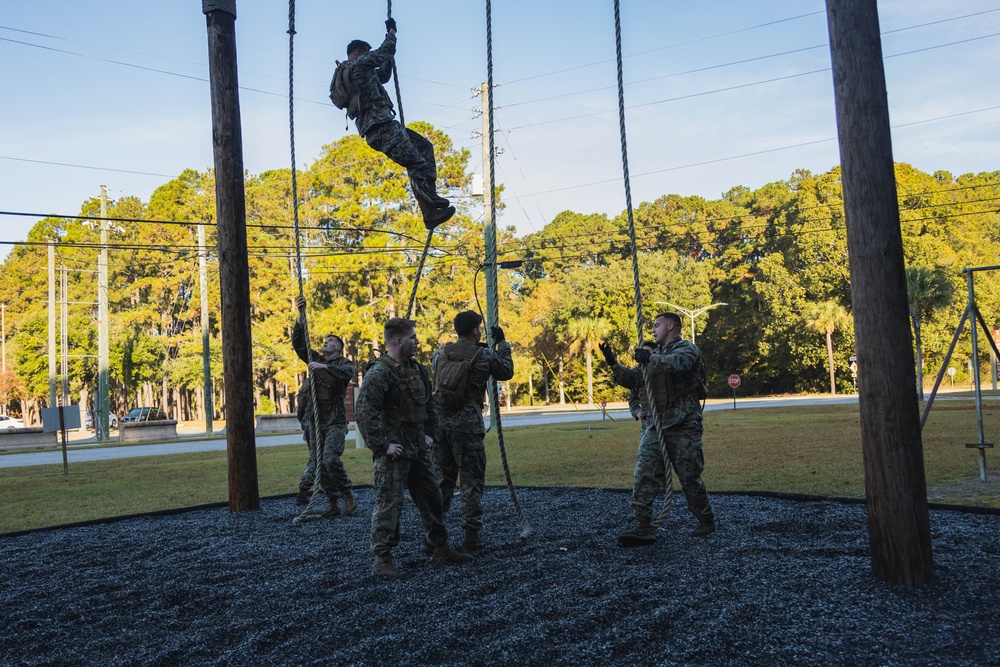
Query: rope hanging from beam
point(317, 486)
point(657, 420)
point(491, 263)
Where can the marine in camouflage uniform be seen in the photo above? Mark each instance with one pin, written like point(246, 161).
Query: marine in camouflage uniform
point(674, 369)
point(399, 422)
point(330, 374)
point(461, 453)
point(373, 114)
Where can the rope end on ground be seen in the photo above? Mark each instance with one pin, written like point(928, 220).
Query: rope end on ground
point(526, 533)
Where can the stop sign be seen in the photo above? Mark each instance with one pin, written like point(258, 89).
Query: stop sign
point(734, 381)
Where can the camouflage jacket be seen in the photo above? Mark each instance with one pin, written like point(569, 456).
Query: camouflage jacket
point(368, 73)
point(499, 364)
point(679, 358)
point(331, 382)
point(378, 413)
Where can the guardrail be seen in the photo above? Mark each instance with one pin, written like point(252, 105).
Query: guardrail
point(142, 431)
point(26, 438)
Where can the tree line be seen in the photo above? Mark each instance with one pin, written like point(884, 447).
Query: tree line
point(776, 257)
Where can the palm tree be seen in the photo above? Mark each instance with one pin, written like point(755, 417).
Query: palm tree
point(826, 317)
point(586, 333)
point(926, 290)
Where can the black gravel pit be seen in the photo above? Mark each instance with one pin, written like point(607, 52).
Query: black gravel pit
point(782, 582)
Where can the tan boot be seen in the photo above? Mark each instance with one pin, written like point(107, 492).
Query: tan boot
point(447, 554)
point(704, 528)
point(385, 568)
point(350, 503)
point(302, 498)
point(641, 535)
point(472, 541)
point(334, 508)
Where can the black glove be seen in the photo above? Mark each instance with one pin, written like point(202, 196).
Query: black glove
point(390, 24)
point(498, 336)
point(609, 354)
point(642, 355)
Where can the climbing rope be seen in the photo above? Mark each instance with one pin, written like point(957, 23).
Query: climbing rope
point(317, 485)
point(647, 381)
point(427, 243)
point(491, 262)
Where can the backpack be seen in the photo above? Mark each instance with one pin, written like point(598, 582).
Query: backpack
point(451, 373)
point(341, 89)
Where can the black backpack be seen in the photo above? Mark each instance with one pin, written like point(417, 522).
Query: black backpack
point(451, 374)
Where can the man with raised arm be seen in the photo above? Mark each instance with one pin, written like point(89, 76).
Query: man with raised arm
point(358, 87)
point(329, 373)
point(675, 369)
point(461, 371)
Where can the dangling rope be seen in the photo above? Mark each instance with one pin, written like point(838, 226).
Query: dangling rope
point(647, 381)
point(317, 485)
point(491, 262)
point(427, 244)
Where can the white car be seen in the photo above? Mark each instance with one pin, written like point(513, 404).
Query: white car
point(6, 421)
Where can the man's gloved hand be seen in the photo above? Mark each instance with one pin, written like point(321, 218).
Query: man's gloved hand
point(642, 355)
point(497, 333)
point(390, 24)
point(609, 354)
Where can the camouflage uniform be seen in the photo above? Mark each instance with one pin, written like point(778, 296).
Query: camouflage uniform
point(672, 371)
point(395, 406)
point(331, 385)
point(460, 453)
point(304, 412)
point(376, 120)
point(638, 407)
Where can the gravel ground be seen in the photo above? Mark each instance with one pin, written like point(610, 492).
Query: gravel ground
point(781, 582)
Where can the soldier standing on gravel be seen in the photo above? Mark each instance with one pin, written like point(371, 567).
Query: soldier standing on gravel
point(399, 422)
point(675, 371)
point(330, 372)
point(461, 453)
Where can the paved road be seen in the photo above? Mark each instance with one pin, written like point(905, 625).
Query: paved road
point(78, 453)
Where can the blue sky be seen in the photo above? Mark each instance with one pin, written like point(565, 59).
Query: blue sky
point(718, 94)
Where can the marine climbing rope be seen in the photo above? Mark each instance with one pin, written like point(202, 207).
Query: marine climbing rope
point(317, 487)
point(657, 419)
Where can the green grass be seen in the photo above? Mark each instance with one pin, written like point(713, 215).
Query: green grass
point(810, 450)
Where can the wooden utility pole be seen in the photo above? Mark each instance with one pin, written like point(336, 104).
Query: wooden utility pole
point(895, 488)
point(234, 268)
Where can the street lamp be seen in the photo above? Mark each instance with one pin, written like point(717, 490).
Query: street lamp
point(691, 313)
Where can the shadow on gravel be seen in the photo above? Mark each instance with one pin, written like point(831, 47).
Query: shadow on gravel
point(780, 583)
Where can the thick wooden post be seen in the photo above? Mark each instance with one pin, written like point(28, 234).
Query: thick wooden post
point(898, 523)
point(234, 269)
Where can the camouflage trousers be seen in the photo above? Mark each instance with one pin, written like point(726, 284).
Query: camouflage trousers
point(684, 453)
point(410, 150)
point(461, 456)
point(332, 474)
point(392, 477)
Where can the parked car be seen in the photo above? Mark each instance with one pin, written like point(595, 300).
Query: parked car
point(6, 421)
point(89, 420)
point(144, 415)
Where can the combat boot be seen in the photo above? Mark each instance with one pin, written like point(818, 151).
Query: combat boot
point(435, 216)
point(385, 568)
point(704, 528)
point(641, 535)
point(302, 498)
point(472, 541)
point(333, 510)
point(350, 502)
point(427, 547)
point(447, 554)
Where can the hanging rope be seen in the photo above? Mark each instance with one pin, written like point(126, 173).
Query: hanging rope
point(395, 74)
point(647, 381)
point(402, 122)
point(491, 262)
point(317, 485)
